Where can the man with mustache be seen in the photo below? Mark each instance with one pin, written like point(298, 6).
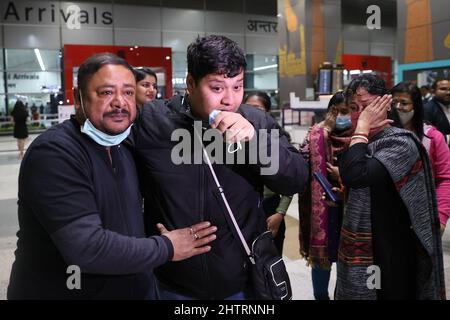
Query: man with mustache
point(80, 205)
point(437, 110)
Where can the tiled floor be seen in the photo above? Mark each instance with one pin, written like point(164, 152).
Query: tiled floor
point(299, 273)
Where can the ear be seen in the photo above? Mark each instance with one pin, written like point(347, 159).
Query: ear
point(190, 82)
point(76, 98)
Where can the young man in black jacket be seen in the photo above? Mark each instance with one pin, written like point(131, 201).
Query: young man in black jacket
point(178, 187)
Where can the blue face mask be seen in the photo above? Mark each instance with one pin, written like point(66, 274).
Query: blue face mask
point(343, 123)
point(100, 137)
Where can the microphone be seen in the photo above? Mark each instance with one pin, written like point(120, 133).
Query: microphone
point(213, 116)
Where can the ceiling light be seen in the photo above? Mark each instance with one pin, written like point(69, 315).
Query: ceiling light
point(265, 67)
point(39, 58)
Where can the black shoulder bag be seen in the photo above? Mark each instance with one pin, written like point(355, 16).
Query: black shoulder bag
point(270, 280)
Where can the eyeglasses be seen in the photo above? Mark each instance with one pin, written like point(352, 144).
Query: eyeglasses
point(401, 104)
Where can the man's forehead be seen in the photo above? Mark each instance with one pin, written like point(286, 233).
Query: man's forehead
point(223, 77)
point(113, 76)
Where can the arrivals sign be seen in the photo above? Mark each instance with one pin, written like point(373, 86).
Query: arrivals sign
point(55, 13)
point(33, 82)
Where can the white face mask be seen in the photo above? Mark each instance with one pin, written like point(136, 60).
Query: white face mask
point(406, 117)
point(100, 137)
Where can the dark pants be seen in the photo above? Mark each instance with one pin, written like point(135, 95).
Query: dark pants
point(320, 279)
point(270, 205)
point(166, 294)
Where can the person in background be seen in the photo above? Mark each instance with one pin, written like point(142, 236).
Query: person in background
point(407, 100)
point(437, 110)
point(19, 116)
point(390, 245)
point(320, 220)
point(426, 94)
point(146, 85)
point(275, 205)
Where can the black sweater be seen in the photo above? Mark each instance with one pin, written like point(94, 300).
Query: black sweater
point(78, 208)
point(393, 240)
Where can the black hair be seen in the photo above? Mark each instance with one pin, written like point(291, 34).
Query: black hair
point(19, 110)
point(336, 99)
point(19, 104)
point(91, 65)
point(434, 85)
point(416, 97)
point(264, 97)
point(372, 83)
point(214, 54)
point(141, 72)
point(425, 87)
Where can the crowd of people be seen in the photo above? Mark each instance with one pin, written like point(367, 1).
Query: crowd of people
point(140, 225)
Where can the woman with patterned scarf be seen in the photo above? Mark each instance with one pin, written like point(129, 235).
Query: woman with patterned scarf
point(320, 220)
point(390, 245)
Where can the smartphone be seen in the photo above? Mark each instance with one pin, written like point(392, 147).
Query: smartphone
point(327, 187)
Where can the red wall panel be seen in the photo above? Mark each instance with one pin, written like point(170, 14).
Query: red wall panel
point(380, 64)
point(74, 55)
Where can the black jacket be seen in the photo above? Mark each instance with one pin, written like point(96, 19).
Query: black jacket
point(435, 115)
point(76, 208)
point(185, 194)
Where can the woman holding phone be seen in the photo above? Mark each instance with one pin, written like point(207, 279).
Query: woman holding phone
point(320, 219)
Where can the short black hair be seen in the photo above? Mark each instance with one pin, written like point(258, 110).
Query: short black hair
point(92, 64)
point(425, 87)
point(141, 72)
point(372, 83)
point(214, 54)
point(264, 97)
point(434, 85)
point(416, 97)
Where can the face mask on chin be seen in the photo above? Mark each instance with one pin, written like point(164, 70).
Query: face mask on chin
point(101, 137)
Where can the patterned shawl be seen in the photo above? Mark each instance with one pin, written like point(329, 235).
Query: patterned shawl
point(317, 245)
point(396, 149)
